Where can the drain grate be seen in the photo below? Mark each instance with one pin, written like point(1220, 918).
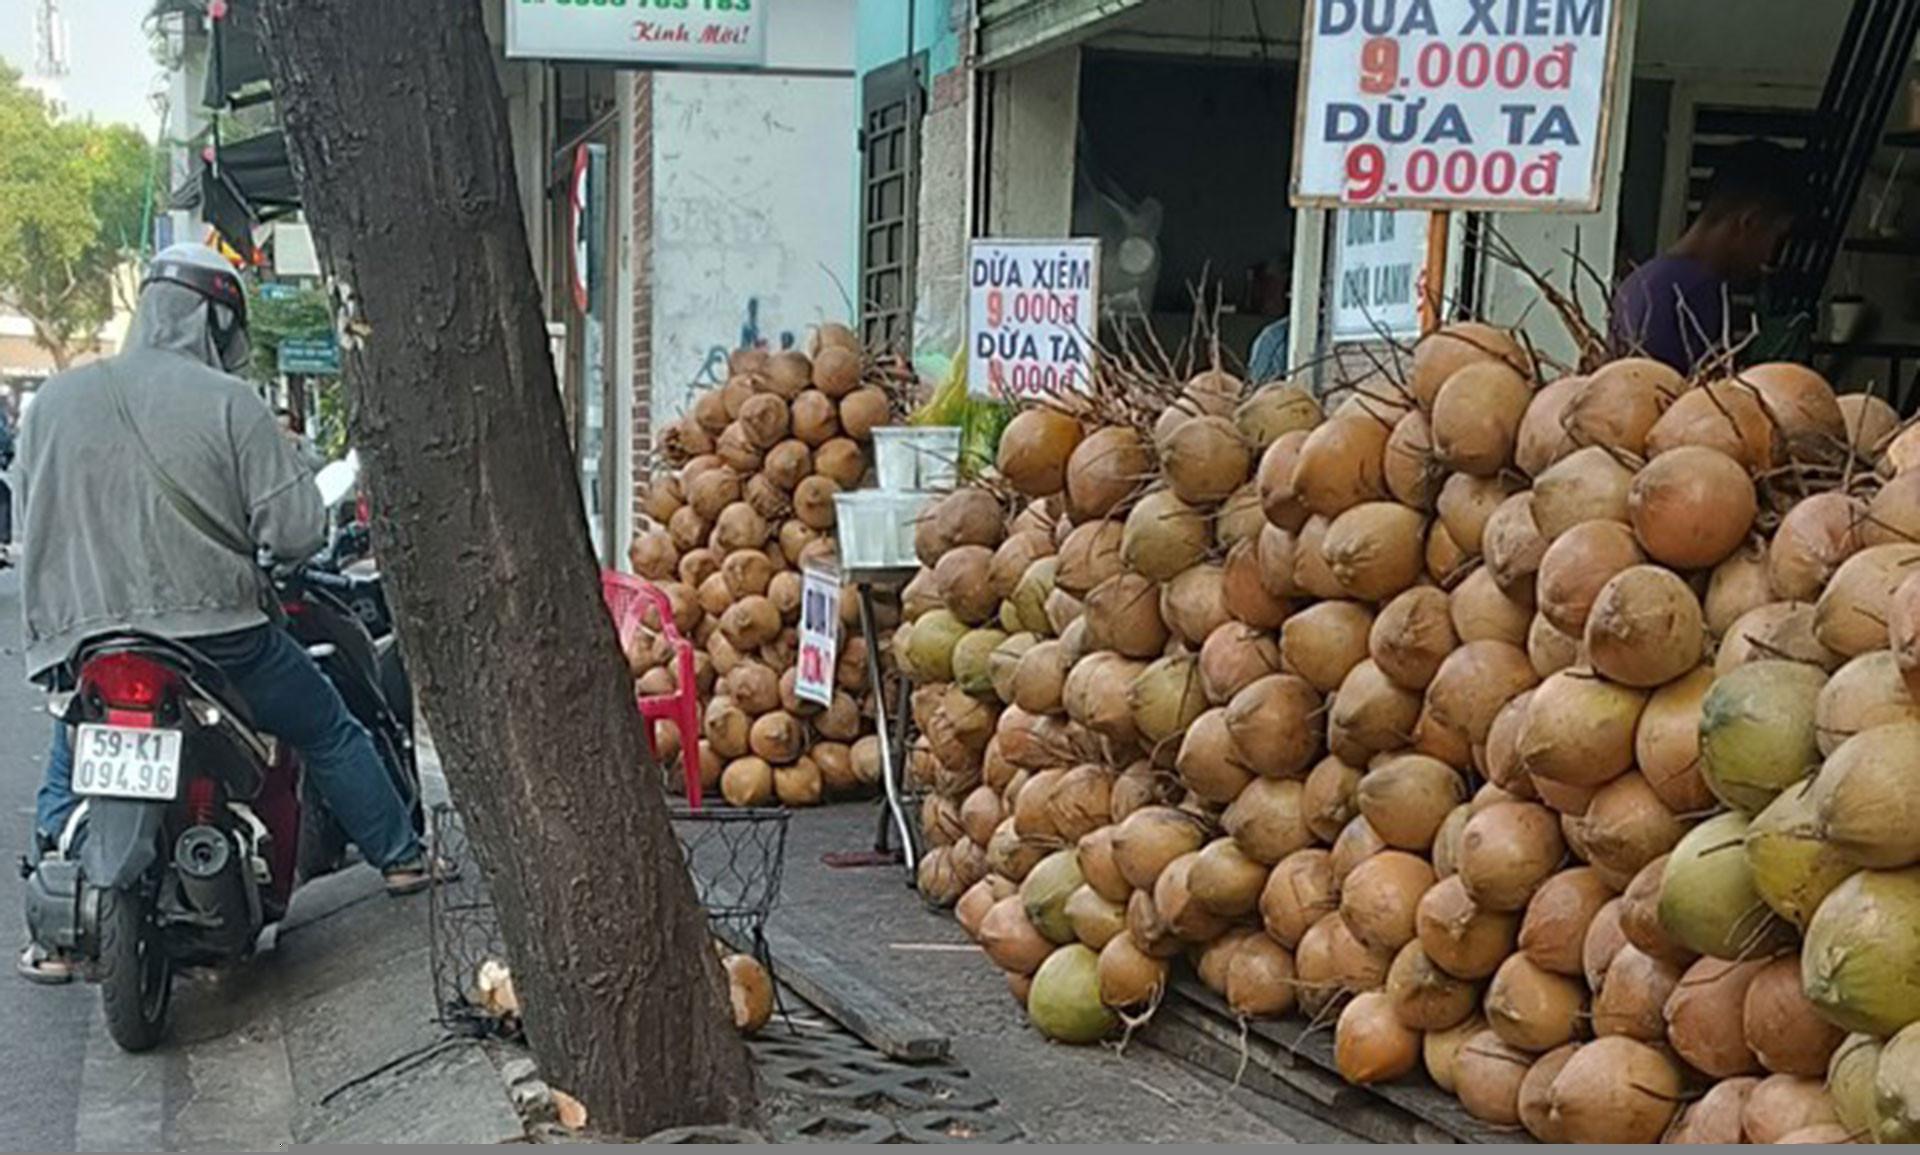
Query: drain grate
point(826, 1086)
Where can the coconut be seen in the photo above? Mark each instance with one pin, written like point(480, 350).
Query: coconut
point(1793, 866)
point(1586, 485)
point(1329, 798)
point(1164, 700)
point(1080, 802)
point(1233, 657)
point(1704, 1017)
point(1379, 897)
point(1467, 505)
point(1861, 960)
point(1646, 628)
point(1738, 586)
point(1003, 667)
point(1128, 976)
point(1511, 543)
point(1275, 476)
point(963, 517)
point(1549, 650)
point(1482, 611)
point(1543, 438)
point(1440, 1050)
point(1863, 694)
point(1245, 589)
point(1151, 838)
point(1240, 518)
point(1275, 409)
point(1533, 1009)
point(1534, 1104)
point(1373, 549)
point(1212, 961)
point(1405, 798)
point(1488, 1075)
point(1173, 900)
point(1013, 557)
point(1782, 1027)
point(972, 908)
point(1453, 347)
point(1124, 615)
point(1011, 856)
point(1726, 416)
point(1324, 642)
point(1757, 731)
point(1411, 636)
point(1666, 742)
point(1579, 729)
point(1474, 682)
point(1852, 613)
point(1603, 940)
point(1371, 715)
point(816, 419)
point(971, 657)
point(1204, 459)
point(1461, 937)
point(1311, 574)
point(1297, 893)
point(1575, 568)
point(1899, 452)
point(1896, 1090)
point(1140, 786)
point(1010, 938)
point(747, 782)
point(1500, 756)
point(1893, 515)
point(1476, 417)
point(1356, 842)
point(1163, 536)
point(1625, 827)
point(1632, 998)
point(1412, 475)
point(962, 577)
point(1614, 1090)
point(1779, 1105)
point(1045, 892)
point(1558, 916)
point(1425, 997)
point(842, 462)
point(1267, 820)
point(1096, 696)
point(1370, 1044)
point(1064, 1002)
point(1032, 818)
point(1621, 403)
point(1708, 903)
point(1640, 914)
point(864, 410)
point(1035, 448)
point(1507, 851)
point(1782, 630)
point(1903, 631)
point(1105, 470)
point(1090, 555)
point(1850, 1084)
point(1692, 507)
point(1276, 724)
point(1442, 740)
point(1863, 797)
point(1446, 841)
point(1339, 465)
point(1715, 1117)
point(937, 878)
point(1801, 403)
point(1225, 881)
point(1034, 603)
point(1260, 978)
point(1813, 539)
point(1869, 420)
point(1194, 604)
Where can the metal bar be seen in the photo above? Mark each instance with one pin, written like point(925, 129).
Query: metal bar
point(889, 769)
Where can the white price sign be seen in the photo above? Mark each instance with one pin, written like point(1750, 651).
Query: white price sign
point(1032, 315)
point(719, 33)
point(1378, 268)
point(1438, 104)
point(819, 636)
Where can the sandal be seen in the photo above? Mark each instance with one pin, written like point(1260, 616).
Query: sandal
point(421, 873)
point(39, 965)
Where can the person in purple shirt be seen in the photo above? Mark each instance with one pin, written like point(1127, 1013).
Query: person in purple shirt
point(1675, 308)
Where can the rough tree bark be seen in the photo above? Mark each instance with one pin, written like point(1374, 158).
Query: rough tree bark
point(399, 135)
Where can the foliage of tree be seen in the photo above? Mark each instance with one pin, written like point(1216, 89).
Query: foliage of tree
point(72, 202)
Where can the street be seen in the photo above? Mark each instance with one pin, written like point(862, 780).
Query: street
point(262, 1054)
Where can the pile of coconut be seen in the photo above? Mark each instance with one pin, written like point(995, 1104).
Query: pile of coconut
point(749, 504)
point(1556, 738)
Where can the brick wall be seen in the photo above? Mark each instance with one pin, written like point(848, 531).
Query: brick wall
point(642, 265)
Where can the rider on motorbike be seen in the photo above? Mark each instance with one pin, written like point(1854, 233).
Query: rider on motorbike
point(147, 486)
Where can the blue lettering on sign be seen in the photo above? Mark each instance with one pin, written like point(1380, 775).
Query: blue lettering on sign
point(1378, 17)
point(1535, 18)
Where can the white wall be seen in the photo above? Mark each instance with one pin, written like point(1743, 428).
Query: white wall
point(753, 209)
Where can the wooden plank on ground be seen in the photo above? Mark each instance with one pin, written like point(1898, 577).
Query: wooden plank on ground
point(1291, 1045)
point(881, 1020)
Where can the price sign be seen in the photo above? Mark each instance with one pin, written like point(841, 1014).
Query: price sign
point(1377, 275)
point(819, 636)
point(1495, 105)
point(1032, 314)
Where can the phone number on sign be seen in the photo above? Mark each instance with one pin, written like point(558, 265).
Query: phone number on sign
point(1464, 172)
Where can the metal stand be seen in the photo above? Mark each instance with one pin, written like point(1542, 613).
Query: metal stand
point(892, 744)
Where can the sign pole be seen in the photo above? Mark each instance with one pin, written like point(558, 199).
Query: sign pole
point(1434, 280)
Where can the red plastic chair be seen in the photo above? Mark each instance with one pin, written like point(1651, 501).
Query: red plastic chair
point(627, 597)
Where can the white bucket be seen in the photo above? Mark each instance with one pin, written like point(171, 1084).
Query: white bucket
point(875, 528)
point(911, 458)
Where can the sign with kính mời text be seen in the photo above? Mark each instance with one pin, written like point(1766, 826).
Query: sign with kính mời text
point(716, 33)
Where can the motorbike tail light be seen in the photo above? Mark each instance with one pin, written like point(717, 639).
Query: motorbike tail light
point(129, 681)
point(294, 609)
point(363, 510)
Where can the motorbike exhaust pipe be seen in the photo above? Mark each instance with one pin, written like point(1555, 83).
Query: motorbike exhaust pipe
point(213, 882)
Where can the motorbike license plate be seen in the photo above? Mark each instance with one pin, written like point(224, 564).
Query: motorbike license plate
point(122, 762)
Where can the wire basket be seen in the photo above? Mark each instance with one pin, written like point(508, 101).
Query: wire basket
point(736, 858)
point(464, 939)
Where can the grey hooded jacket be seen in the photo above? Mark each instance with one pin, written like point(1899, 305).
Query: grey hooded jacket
point(105, 548)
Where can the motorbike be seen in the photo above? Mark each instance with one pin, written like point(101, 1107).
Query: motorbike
point(194, 827)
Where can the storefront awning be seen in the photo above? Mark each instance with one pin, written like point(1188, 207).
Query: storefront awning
point(261, 174)
point(1010, 29)
point(236, 64)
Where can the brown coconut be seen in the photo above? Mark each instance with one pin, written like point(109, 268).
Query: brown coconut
point(1646, 628)
point(1543, 438)
point(1586, 485)
point(1558, 916)
point(1533, 1009)
point(1324, 642)
point(1621, 403)
point(1461, 937)
point(1691, 507)
point(1507, 851)
point(1724, 415)
point(1705, 1017)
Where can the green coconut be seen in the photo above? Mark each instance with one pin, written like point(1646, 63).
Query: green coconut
point(1896, 1089)
point(1064, 1002)
point(1166, 698)
point(1793, 867)
point(1045, 891)
point(1708, 902)
point(930, 649)
point(972, 660)
point(1850, 1084)
point(1028, 604)
point(1757, 731)
point(1860, 963)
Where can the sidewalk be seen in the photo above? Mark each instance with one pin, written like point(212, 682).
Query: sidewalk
point(869, 925)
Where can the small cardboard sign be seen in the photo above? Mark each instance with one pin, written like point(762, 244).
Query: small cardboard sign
point(819, 635)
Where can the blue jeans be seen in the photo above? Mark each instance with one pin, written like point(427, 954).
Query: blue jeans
point(291, 699)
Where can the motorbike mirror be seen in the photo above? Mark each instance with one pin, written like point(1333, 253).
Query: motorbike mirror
point(338, 479)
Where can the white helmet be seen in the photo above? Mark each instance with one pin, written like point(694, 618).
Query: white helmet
point(203, 271)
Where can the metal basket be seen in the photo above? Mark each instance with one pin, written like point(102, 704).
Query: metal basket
point(736, 858)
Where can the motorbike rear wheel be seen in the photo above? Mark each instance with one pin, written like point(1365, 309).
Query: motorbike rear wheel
point(134, 972)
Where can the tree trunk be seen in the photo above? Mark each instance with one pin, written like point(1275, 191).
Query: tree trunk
point(399, 136)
